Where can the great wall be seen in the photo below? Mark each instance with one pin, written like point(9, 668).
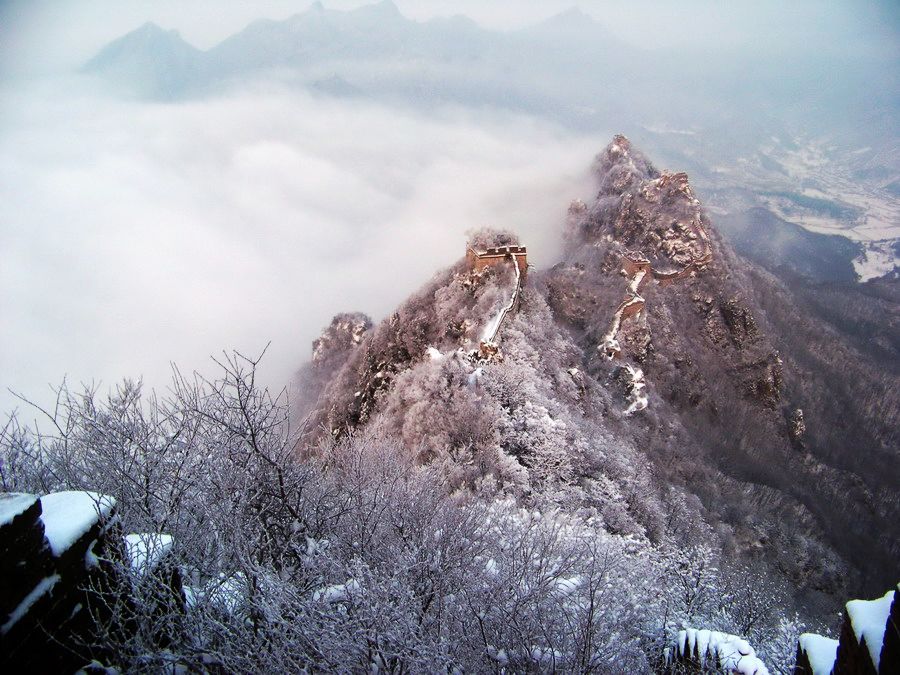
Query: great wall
point(491, 257)
point(639, 270)
point(687, 244)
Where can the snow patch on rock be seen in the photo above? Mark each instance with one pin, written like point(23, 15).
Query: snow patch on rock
point(820, 651)
point(732, 653)
point(45, 586)
point(67, 516)
point(337, 592)
point(13, 504)
point(146, 550)
point(869, 620)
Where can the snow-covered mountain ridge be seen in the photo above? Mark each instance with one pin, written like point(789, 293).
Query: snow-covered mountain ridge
point(719, 393)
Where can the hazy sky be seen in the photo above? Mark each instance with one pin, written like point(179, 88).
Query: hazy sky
point(41, 35)
point(135, 234)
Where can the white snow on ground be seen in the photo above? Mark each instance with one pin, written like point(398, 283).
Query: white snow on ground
point(498, 655)
point(869, 619)
point(146, 550)
point(638, 396)
point(610, 346)
point(190, 596)
point(13, 504)
point(338, 592)
point(636, 281)
point(68, 515)
point(493, 327)
point(877, 259)
point(45, 586)
point(544, 656)
point(433, 354)
point(821, 652)
point(666, 129)
point(734, 653)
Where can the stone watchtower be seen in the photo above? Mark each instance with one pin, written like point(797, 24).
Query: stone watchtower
point(496, 255)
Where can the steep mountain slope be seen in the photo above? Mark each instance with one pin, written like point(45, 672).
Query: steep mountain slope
point(651, 378)
point(776, 409)
point(150, 61)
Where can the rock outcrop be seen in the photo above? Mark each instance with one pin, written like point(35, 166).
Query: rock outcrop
point(649, 227)
point(343, 334)
point(869, 642)
point(65, 569)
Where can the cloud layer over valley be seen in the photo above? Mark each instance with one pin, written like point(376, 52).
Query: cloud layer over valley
point(135, 234)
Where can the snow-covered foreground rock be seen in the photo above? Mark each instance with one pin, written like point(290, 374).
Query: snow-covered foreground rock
point(50, 552)
point(707, 650)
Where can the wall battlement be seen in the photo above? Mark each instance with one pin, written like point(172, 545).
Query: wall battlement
point(495, 255)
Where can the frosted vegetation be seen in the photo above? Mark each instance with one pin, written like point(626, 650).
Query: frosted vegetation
point(359, 558)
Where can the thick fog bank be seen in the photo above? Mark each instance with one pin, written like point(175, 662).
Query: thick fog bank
point(135, 234)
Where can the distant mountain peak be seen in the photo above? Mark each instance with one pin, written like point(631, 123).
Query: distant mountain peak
point(148, 35)
point(574, 17)
point(150, 60)
point(574, 13)
point(384, 8)
point(154, 32)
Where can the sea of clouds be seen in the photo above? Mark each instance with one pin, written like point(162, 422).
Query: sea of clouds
point(137, 234)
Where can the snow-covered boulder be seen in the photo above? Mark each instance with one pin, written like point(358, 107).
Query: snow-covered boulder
point(868, 642)
point(815, 654)
point(701, 650)
point(50, 553)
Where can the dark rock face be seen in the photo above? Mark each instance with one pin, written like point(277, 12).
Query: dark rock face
point(21, 538)
point(45, 588)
